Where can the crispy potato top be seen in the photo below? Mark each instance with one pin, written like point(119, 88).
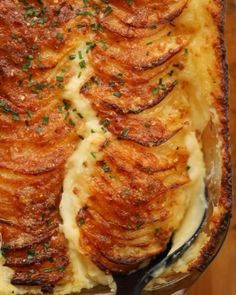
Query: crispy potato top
point(135, 188)
point(136, 52)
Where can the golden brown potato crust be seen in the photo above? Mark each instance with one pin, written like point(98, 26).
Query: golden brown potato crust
point(133, 197)
point(35, 140)
point(129, 216)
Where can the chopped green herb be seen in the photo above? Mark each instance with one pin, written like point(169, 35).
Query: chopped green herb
point(90, 46)
point(71, 122)
point(117, 93)
point(15, 117)
point(72, 56)
point(105, 122)
point(6, 108)
point(31, 253)
point(29, 113)
point(155, 90)
point(80, 54)
point(59, 78)
point(60, 36)
point(96, 27)
point(82, 64)
point(93, 154)
point(45, 120)
point(84, 12)
point(46, 245)
point(124, 132)
point(25, 67)
point(67, 104)
point(80, 115)
point(107, 10)
point(6, 246)
point(105, 167)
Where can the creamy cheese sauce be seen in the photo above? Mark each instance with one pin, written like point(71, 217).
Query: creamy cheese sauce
point(85, 274)
point(5, 277)
point(195, 194)
point(197, 198)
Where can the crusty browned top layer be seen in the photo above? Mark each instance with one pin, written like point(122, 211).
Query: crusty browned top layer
point(134, 190)
point(36, 139)
point(136, 56)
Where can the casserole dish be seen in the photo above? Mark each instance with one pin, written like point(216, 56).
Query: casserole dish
point(114, 118)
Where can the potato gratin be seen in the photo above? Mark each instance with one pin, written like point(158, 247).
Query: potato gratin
point(102, 109)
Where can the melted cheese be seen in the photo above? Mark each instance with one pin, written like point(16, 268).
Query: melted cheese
point(5, 278)
point(85, 274)
point(196, 194)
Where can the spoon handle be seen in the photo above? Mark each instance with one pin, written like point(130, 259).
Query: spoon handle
point(125, 290)
point(131, 286)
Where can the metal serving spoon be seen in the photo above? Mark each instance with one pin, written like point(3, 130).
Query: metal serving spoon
point(133, 284)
